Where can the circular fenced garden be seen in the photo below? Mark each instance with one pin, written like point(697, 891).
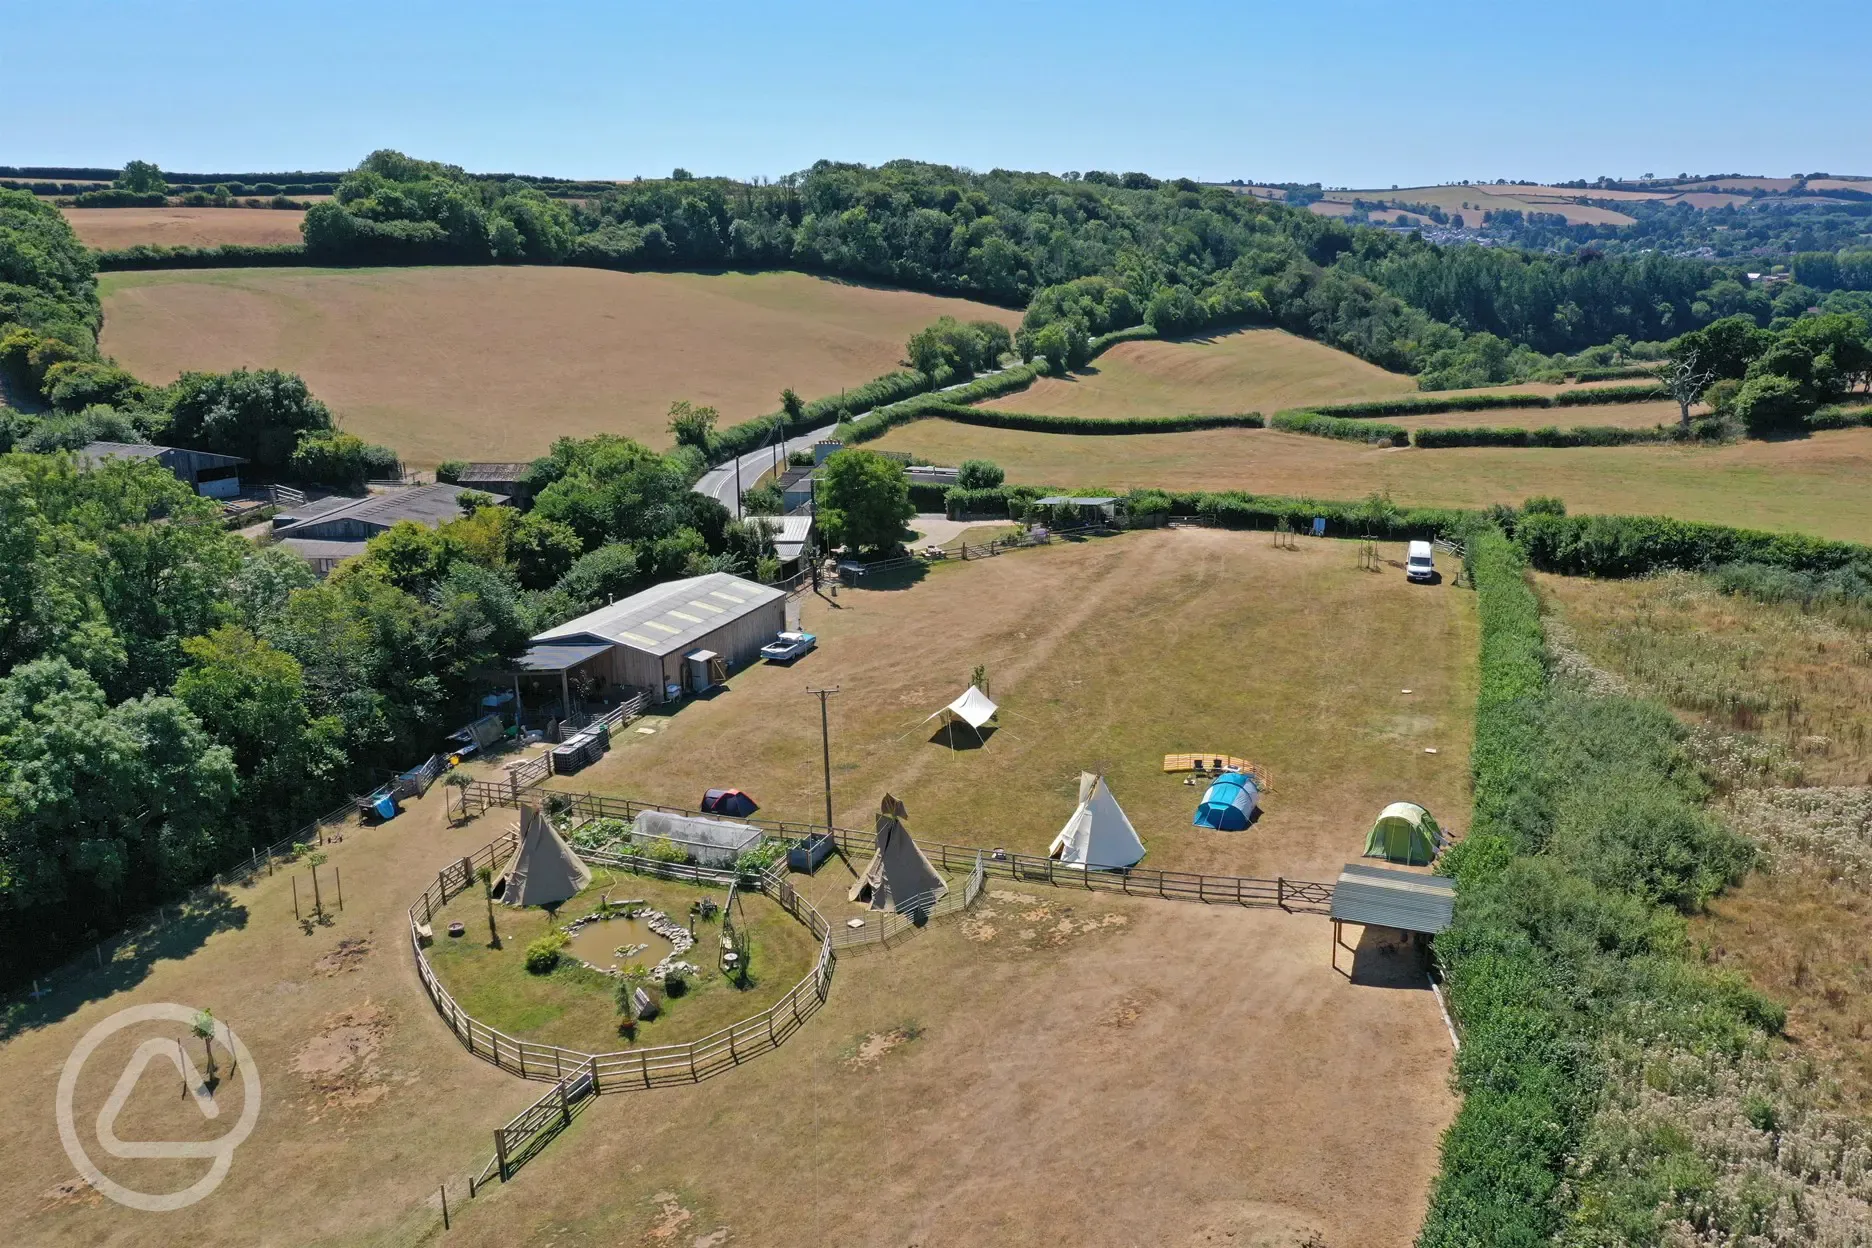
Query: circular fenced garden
point(639, 883)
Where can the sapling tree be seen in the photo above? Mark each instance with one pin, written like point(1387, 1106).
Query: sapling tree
point(204, 1029)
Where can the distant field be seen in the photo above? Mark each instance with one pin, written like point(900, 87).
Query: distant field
point(494, 363)
point(1248, 370)
point(110, 228)
point(1481, 199)
point(1814, 485)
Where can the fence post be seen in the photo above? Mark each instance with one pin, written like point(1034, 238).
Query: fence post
point(646, 1067)
point(1280, 891)
point(500, 1152)
point(565, 1106)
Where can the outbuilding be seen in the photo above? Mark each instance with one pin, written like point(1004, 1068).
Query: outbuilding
point(678, 637)
point(1405, 901)
point(208, 474)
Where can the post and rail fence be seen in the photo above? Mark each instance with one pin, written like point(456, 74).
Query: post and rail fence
point(1286, 894)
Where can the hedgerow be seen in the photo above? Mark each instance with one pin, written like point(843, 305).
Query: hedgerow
point(1375, 516)
point(1424, 405)
point(1321, 426)
point(1638, 545)
point(1609, 394)
point(1550, 436)
point(941, 406)
point(226, 256)
point(1587, 837)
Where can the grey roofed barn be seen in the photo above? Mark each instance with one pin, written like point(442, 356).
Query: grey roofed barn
point(670, 617)
point(1385, 897)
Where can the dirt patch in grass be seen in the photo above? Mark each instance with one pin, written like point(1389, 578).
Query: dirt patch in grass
point(495, 362)
point(350, 952)
point(872, 1047)
point(109, 229)
point(341, 1064)
point(1809, 485)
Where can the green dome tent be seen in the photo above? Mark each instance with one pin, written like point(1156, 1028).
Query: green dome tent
point(1405, 832)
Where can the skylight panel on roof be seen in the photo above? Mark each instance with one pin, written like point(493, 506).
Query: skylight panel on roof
point(699, 605)
point(693, 619)
point(661, 627)
point(716, 593)
point(639, 638)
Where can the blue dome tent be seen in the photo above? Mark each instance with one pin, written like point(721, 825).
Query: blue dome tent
point(1229, 804)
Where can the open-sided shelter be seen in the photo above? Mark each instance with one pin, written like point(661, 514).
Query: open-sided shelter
point(1098, 837)
point(1404, 901)
point(543, 871)
point(1405, 832)
point(973, 708)
point(1229, 804)
point(898, 877)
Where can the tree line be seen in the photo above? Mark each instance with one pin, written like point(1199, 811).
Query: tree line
point(1086, 253)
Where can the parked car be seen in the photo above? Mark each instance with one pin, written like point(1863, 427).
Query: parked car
point(1419, 563)
point(788, 646)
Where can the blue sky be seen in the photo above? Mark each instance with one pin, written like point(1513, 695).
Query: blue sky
point(1352, 94)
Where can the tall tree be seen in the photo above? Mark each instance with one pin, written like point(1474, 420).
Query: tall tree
point(864, 500)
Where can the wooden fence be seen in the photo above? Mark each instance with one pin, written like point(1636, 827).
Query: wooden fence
point(652, 1065)
point(1287, 894)
point(882, 930)
point(1000, 546)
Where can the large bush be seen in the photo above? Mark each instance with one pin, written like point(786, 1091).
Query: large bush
point(259, 415)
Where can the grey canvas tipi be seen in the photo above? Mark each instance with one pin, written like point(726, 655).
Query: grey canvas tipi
point(543, 871)
point(899, 877)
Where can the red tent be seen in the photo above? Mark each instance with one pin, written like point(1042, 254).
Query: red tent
point(728, 802)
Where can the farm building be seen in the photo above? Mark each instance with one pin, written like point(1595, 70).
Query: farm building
point(1422, 905)
point(507, 479)
point(208, 474)
point(675, 638)
point(790, 536)
point(332, 529)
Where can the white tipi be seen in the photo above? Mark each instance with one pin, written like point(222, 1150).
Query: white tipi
point(543, 871)
point(1098, 837)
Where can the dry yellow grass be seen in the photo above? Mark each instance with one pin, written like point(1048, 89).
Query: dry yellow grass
point(494, 363)
point(111, 228)
point(1813, 485)
point(1248, 370)
point(1106, 656)
point(944, 1074)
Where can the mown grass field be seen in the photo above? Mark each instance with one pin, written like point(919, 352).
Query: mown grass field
point(1244, 371)
point(1105, 656)
point(946, 1071)
point(494, 363)
point(111, 228)
point(1811, 485)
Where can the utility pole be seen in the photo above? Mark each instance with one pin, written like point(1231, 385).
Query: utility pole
point(825, 745)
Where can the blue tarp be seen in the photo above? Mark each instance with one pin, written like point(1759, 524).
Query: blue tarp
point(1229, 804)
point(386, 807)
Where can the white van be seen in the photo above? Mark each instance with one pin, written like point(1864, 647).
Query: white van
point(1419, 565)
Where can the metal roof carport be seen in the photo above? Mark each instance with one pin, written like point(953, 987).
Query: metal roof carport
point(543, 658)
point(1383, 897)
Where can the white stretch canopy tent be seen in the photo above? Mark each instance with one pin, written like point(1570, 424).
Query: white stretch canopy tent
point(1098, 837)
point(972, 708)
point(543, 871)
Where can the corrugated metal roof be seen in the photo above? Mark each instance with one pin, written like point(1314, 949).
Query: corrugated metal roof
point(558, 656)
point(669, 617)
point(428, 505)
point(1058, 500)
point(494, 472)
point(1405, 900)
point(93, 453)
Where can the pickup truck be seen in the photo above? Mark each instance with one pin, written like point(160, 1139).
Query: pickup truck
point(788, 646)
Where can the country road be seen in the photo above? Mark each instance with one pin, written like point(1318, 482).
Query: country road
point(719, 482)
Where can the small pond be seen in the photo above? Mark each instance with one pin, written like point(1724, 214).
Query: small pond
point(598, 944)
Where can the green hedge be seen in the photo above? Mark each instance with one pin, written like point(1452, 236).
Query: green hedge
point(1837, 417)
point(1580, 435)
point(1424, 405)
point(1610, 394)
point(227, 256)
point(1136, 333)
point(1639, 545)
point(1588, 837)
point(939, 407)
point(1359, 430)
point(1237, 510)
